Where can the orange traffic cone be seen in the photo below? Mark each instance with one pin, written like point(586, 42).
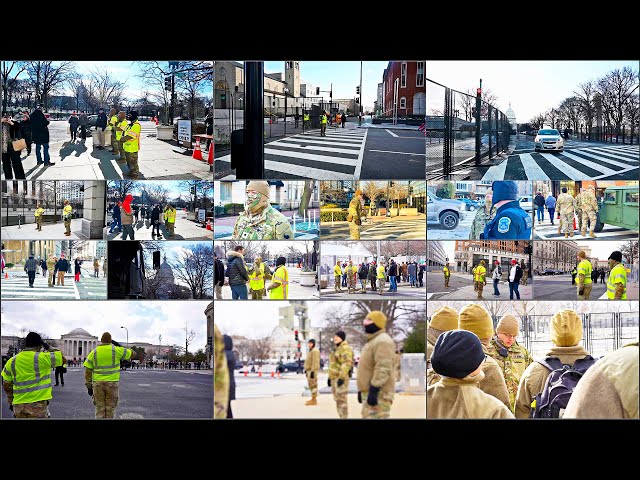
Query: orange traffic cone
point(246, 373)
point(6, 274)
point(259, 374)
point(197, 153)
point(574, 223)
point(273, 374)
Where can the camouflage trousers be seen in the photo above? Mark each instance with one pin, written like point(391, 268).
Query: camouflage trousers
point(171, 227)
point(579, 218)
point(479, 288)
point(587, 292)
point(32, 410)
point(588, 218)
point(105, 399)
point(52, 282)
point(313, 383)
point(39, 223)
point(380, 286)
point(114, 142)
point(67, 226)
point(354, 231)
point(257, 294)
point(566, 223)
point(336, 283)
point(351, 282)
point(340, 397)
point(132, 163)
point(382, 410)
point(446, 281)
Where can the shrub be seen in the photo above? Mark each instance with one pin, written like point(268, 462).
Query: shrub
point(329, 205)
point(233, 208)
point(337, 216)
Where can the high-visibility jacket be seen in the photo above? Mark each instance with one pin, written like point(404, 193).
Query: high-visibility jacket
point(306, 117)
point(281, 276)
point(170, 215)
point(584, 268)
point(113, 121)
point(38, 212)
point(352, 270)
point(618, 274)
point(123, 125)
point(256, 280)
point(30, 374)
point(337, 270)
point(324, 119)
point(104, 360)
point(381, 272)
point(446, 271)
point(480, 273)
point(66, 211)
point(132, 146)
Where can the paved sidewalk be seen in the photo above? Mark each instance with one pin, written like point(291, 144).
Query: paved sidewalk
point(184, 230)
point(50, 231)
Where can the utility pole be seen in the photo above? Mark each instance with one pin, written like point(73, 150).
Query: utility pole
point(361, 108)
point(173, 90)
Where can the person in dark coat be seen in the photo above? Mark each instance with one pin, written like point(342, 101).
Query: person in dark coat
point(11, 162)
point(155, 221)
point(393, 273)
point(101, 125)
point(25, 130)
point(237, 273)
point(74, 122)
point(539, 202)
point(218, 275)
point(117, 219)
point(43, 266)
point(231, 364)
point(40, 135)
point(421, 274)
point(363, 272)
point(343, 119)
point(77, 268)
point(83, 121)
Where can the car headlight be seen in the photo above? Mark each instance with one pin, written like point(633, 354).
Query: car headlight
point(537, 140)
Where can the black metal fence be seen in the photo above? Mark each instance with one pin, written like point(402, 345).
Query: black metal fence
point(19, 209)
point(284, 116)
point(609, 134)
point(461, 131)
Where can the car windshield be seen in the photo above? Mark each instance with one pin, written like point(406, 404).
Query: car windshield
point(548, 132)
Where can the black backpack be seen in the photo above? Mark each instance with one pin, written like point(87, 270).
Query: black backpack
point(560, 384)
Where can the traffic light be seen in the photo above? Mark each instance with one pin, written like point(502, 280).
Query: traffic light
point(167, 82)
point(357, 100)
point(210, 341)
point(358, 89)
point(297, 339)
point(473, 111)
point(192, 190)
point(317, 90)
point(81, 188)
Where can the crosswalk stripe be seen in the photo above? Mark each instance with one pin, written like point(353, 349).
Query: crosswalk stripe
point(497, 172)
point(305, 172)
point(320, 140)
point(613, 156)
point(593, 165)
point(593, 155)
point(309, 156)
point(567, 169)
point(315, 148)
point(531, 168)
point(581, 165)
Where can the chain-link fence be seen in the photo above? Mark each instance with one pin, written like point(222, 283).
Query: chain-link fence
point(461, 131)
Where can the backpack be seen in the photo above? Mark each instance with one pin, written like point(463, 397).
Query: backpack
point(560, 384)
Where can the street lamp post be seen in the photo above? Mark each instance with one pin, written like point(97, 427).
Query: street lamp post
point(127, 335)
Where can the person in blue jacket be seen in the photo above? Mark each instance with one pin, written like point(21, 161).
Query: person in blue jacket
point(511, 222)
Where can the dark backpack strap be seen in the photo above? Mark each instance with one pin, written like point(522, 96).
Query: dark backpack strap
point(584, 364)
point(551, 363)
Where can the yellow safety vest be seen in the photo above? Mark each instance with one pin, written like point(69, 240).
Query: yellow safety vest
point(381, 272)
point(281, 292)
point(446, 271)
point(123, 124)
point(324, 119)
point(170, 215)
point(66, 211)
point(618, 274)
point(113, 121)
point(104, 360)
point(584, 268)
point(38, 212)
point(337, 270)
point(30, 373)
point(480, 273)
point(306, 117)
point(256, 281)
point(132, 146)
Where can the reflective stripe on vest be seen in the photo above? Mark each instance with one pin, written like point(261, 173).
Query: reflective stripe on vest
point(256, 281)
point(381, 272)
point(132, 146)
point(107, 372)
point(36, 373)
point(618, 274)
point(123, 124)
point(281, 276)
point(584, 268)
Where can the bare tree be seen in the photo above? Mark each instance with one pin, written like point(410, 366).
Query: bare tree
point(194, 267)
point(189, 336)
point(537, 122)
point(260, 349)
point(466, 102)
point(330, 193)
point(631, 114)
point(107, 90)
point(585, 96)
point(306, 196)
point(496, 308)
point(372, 190)
point(153, 74)
point(615, 89)
point(9, 76)
point(46, 77)
point(629, 250)
point(193, 78)
point(120, 188)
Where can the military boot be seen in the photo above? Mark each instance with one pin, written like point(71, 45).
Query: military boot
point(566, 235)
point(592, 235)
point(571, 234)
point(313, 401)
point(559, 230)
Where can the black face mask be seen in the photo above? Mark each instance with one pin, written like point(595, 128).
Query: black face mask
point(371, 328)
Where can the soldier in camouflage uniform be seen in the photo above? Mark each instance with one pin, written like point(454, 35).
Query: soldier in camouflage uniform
point(589, 210)
point(260, 221)
point(578, 200)
point(220, 376)
point(566, 206)
point(354, 215)
point(483, 216)
point(376, 376)
point(312, 367)
point(512, 357)
point(340, 366)
point(443, 319)
point(352, 271)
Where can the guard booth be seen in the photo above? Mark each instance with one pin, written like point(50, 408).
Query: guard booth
point(413, 367)
point(126, 277)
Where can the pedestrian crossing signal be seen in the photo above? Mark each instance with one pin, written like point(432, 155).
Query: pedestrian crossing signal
point(358, 90)
point(167, 82)
point(317, 90)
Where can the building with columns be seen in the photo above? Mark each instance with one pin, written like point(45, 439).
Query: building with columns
point(77, 344)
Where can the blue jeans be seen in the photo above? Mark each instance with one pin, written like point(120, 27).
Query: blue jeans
point(46, 153)
point(394, 285)
point(540, 213)
point(412, 280)
point(552, 211)
point(116, 223)
point(239, 292)
point(513, 287)
point(495, 287)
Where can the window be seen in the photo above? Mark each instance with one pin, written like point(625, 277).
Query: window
point(420, 74)
point(225, 192)
point(403, 102)
point(420, 104)
point(403, 75)
point(631, 197)
point(610, 196)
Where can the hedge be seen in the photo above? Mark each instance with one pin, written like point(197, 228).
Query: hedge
point(337, 216)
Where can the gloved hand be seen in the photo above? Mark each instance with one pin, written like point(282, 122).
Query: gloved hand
point(372, 398)
point(328, 382)
point(90, 391)
point(359, 397)
point(581, 291)
point(11, 407)
point(115, 343)
point(340, 382)
point(312, 375)
point(45, 345)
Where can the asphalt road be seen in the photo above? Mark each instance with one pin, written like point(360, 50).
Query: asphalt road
point(154, 394)
point(558, 287)
point(435, 282)
point(393, 154)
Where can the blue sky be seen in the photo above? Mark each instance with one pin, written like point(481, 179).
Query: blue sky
point(344, 75)
point(532, 87)
point(172, 185)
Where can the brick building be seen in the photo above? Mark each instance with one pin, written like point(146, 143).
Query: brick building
point(411, 92)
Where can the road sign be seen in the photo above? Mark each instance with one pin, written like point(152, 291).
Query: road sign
point(184, 130)
point(201, 214)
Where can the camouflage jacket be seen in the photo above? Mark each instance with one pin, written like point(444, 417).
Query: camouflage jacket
point(312, 362)
point(377, 362)
point(566, 204)
point(480, 221)
point(513, 362)
point(578, 201)
point(355, 209)
point(220, 376)
point(341, 361)
point(589, 202)
point(268, 225)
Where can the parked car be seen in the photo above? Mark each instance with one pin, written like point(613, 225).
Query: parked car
point(290, 367)
point(444, 211)
point(526, 203)
point(91, 120)
point(238, 366)
point(470, 205)
point(548, 139)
